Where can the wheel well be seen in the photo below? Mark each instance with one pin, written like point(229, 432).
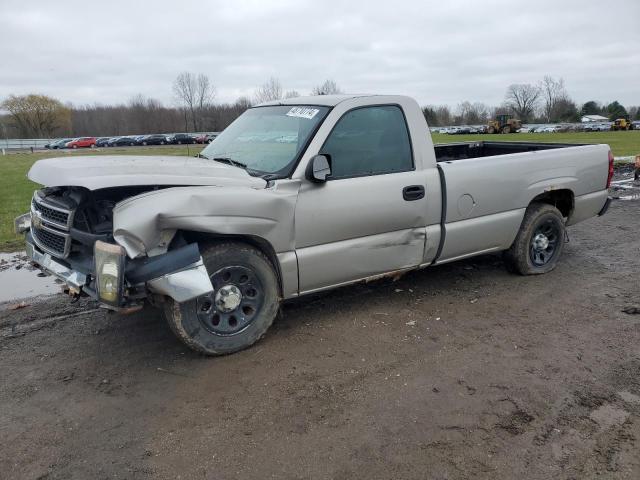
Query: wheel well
point(257, 242)
point(563, 200)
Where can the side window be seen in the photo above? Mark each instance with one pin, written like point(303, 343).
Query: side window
point(369, 141)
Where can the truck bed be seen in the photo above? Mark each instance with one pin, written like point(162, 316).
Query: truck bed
point(464, 150)
point(485, 197)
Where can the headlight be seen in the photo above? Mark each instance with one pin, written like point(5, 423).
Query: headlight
point(22, 223)
point(109, 263)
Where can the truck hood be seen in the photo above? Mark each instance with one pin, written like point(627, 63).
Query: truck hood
point(97, 172)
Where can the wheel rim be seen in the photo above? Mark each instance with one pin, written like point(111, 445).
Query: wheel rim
point(544, 243)
point(237, 298)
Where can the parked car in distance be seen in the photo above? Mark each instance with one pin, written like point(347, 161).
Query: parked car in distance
point(180, 138)
point(58, 144)
point(550, 129)
point(206, 137)
point(102, 141)
point(122, 142)
point(155, 139)
point(82, 142)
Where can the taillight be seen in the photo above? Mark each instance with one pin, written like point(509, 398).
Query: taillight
point(610, 176)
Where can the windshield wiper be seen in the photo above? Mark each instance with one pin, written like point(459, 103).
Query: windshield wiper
point(230, 161)
point(199, 155)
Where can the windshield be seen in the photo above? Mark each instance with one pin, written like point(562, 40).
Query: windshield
point(267, 140)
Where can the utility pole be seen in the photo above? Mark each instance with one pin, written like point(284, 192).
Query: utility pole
point(6, 138)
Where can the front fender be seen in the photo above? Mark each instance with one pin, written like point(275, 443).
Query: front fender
point(140, 223)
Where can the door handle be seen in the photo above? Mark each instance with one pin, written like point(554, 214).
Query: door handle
point(413, 192)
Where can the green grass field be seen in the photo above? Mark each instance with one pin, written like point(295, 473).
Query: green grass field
point(16, 190)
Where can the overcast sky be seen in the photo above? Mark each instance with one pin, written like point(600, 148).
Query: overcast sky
point(439, 52)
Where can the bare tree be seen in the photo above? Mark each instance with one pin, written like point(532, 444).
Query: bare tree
point(443, 114)
point(329, 87)
point(473, 113)
point(552, 92)
point(522, 100)
point(37, 115)
point(195, 93)
point(291, 94)
point(268, 91)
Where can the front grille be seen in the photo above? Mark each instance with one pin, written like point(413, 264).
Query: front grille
point(51, 241)
point(49, 214)
point(57, 216)
point(50, 225)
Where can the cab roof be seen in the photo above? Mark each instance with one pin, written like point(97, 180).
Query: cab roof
point(323, 100)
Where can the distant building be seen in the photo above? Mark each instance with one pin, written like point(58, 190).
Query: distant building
point(593, 118)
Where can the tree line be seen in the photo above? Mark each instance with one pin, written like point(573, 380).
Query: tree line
point(195, 110)
point(545, 102)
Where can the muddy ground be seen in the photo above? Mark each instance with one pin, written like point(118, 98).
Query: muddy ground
point(460, 371)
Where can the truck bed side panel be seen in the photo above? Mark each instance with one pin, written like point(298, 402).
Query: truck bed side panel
point(495, 191)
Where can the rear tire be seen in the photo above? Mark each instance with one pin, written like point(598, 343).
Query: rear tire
point(539, 242)
point(241, 309)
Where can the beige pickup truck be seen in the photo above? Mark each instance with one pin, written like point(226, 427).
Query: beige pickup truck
point(297, 196)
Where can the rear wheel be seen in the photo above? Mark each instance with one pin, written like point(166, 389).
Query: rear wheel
point(506, 129)
point(539, 242)
point(491, 130)
point(242, 307)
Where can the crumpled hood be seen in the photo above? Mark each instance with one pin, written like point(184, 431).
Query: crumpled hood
point(105, 171)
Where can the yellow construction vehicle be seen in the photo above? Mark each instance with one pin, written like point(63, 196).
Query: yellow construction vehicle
point(504, 124)
point(622, 124)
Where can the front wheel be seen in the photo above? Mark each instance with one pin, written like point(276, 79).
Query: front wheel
point(244, 302)
point(539, 242)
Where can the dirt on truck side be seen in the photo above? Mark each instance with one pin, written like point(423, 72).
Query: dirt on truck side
point(460, 371)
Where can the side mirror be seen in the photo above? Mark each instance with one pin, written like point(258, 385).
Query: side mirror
point(319, 169)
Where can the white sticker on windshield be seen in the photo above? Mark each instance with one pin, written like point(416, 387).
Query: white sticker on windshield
point(303, 112)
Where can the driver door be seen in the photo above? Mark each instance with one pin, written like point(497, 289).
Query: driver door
point(369, 217)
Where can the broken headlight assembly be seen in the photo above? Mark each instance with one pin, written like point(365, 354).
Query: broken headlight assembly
point(109, 267)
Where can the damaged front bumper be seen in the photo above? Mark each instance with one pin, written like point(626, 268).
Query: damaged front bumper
point(179, 274)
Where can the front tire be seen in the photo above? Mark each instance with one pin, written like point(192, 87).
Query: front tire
point(241, 308)
point(539, 242)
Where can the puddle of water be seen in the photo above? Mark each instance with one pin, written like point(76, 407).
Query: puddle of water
point(18, 279)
